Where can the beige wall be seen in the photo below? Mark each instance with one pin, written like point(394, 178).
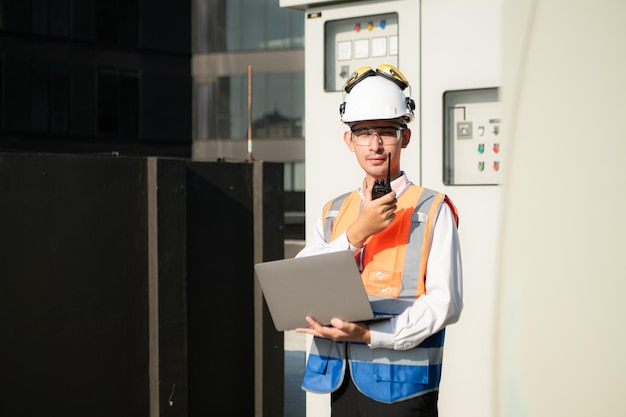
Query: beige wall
point(561, 332)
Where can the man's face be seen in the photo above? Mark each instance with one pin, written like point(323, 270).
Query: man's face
point(373, 140)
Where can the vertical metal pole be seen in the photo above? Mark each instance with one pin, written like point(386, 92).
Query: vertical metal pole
point(153, 288)
point(257, 198)
point(250, 158)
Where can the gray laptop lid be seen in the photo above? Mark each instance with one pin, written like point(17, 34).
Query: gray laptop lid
point(322, 286)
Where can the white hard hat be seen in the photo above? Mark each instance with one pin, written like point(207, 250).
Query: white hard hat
point(373, 95)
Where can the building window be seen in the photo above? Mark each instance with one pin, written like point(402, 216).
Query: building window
point(117, 22)
point(118, 102)
point(277, 107)
point(50, 97)
point(50, 17)
point(246, 25)
point(294, 179)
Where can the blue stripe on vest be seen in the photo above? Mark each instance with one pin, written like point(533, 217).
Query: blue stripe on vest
point(388, 383)
point(323, 374)
point(382, 382)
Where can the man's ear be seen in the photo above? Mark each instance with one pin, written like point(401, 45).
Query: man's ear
point(347, 138)
point(406, 137)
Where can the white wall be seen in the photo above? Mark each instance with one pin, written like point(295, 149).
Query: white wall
point(562, 334)
point(461, 49)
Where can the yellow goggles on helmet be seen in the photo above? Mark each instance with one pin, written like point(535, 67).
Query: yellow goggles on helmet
point(385, 70)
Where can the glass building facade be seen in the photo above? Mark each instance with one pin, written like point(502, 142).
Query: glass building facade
point(205, 79)
point(93, 75)
point(248, 83)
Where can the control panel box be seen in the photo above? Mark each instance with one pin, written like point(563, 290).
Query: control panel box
point(473, 147)
point(356, 42)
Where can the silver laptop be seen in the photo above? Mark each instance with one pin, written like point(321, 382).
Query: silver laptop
point(322, 286)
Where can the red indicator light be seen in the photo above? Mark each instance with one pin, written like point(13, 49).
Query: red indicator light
point(496, 165)
point(496, 147)
point(357, 27)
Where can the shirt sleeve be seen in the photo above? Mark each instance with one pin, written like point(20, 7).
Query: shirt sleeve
point(442, 303)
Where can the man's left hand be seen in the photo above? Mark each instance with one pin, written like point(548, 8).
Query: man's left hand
point(339, 330)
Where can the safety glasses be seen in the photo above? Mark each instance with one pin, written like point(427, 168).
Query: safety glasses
point(385, 70)
point(387, 135)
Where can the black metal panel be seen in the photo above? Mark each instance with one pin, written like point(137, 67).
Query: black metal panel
point(220, 289)
point(73, 304)
point(273, 209)
point(220, 292)
point(75, 250)
point(172, 286)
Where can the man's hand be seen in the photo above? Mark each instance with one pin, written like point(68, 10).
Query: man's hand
point(340, 330)
point(375, 215)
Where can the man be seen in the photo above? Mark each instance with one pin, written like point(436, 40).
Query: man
point(406, 245)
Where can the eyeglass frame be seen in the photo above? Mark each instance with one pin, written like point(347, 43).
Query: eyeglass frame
point(399, 133)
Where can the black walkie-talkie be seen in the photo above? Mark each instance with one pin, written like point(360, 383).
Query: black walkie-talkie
point(380, 187)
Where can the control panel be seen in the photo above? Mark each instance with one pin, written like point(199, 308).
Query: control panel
point(473, 147)
point(355, 42)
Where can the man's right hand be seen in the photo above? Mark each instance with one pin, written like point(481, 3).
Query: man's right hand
point(375, 215)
